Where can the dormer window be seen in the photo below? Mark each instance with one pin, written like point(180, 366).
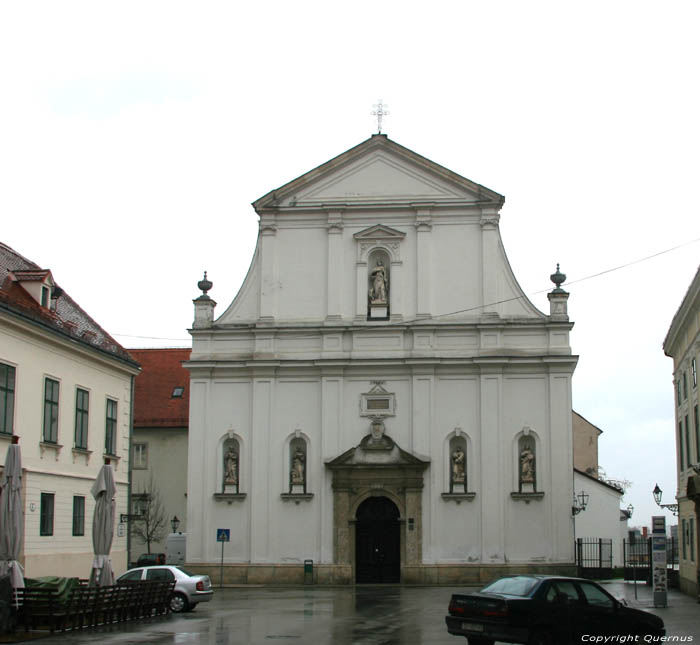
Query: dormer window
point(38, 283)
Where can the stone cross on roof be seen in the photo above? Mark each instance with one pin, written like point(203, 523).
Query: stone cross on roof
point(379, 112)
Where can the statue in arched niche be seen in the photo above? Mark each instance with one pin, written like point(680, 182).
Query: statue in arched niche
point(527, 465)
point(458, 459)
point(380, 284)
point(298, 466)
point(231, 466)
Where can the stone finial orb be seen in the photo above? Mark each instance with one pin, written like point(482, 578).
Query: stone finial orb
point(204, 284)
point(558, 278)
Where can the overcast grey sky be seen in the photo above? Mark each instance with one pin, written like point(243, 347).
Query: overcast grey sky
point(134, 135)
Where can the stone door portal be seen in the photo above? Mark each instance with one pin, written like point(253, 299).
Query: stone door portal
point(377, 512)
point(377, 542)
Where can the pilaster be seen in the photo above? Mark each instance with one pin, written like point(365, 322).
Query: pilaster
point(491, 492)
point(335, 265)
point(268, 278)
point(424, 262)
point(489, 261)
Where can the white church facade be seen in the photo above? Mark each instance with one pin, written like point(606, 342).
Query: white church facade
point(380, 397)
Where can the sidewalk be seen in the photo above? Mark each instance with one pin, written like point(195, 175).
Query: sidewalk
point(681, 616)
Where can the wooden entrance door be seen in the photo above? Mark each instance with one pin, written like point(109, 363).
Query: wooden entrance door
point(377, 542)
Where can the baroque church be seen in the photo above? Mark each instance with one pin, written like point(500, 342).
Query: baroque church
point(380, 397)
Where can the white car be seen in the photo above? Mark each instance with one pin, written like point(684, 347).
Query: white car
point(190, 589)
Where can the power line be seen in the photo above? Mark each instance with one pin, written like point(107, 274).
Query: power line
point(477, 307)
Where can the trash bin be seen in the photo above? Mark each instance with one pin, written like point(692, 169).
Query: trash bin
point(308, 572)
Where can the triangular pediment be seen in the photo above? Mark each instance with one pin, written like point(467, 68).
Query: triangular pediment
point(379, 232)
point(378, 171)
point(380, 178)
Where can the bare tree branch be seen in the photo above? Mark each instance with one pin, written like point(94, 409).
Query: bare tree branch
point(151, 525)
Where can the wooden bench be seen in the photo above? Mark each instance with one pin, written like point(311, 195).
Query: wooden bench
point(40, 608)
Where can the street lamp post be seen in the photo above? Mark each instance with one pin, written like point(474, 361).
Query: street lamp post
point(657, 493)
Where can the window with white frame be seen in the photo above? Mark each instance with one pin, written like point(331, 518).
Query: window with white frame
point(7, 398)
point(680, 445)
point(697, 433)
point(78, 515)
point(111, 428)
point(51, 392)
point(140, 456)
point(46, 510)
point(82, 405)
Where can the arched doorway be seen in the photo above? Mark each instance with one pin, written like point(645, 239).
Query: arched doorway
point(377, 542)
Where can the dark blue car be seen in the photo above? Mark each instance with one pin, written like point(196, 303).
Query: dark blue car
point(545, 610)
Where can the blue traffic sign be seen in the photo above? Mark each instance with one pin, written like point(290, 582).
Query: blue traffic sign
point(223, 535)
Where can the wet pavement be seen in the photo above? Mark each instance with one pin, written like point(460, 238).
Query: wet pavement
point(369, 614)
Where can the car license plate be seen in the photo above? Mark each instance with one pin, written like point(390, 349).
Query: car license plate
point(472, 627)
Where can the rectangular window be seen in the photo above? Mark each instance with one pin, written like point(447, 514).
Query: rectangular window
point(82, 401)
point(111, 427)
point(50, 411)
point(685, 385)
point(46, 514)
point(694, 372)
point(139, 503)
point(680, 445)
point(678, 391)
point(688, 458)
point(697, 435)
point(140, 456)
point(78, 515)
point(7, 398)
point(684, 539)
point(691, 522)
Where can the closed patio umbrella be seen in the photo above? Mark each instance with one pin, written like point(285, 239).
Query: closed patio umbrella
point(11, 516)
point(103, 490)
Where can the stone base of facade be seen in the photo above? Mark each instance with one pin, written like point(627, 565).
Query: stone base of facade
point(689, 587)
point(335, 574)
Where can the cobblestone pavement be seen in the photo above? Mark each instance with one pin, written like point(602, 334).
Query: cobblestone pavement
point(340, 616)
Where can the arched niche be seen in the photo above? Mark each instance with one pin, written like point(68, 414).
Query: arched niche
point(378, 284)
point(526, 461)
point(229, 469)
point(296, 462)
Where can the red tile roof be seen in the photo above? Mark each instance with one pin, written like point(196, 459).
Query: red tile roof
point(161, 373)
point(65, 317)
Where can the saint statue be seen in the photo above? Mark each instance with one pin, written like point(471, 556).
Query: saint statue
point(527, 466)
point(458, 465)
point(231, 467)
point(298, 467)
point(378, 290)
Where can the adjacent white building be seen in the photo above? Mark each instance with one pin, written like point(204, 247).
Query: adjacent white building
point(682, 344)
point(65, 391)
point(380, 397)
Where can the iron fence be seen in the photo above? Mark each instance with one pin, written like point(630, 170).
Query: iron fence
point(594, 557)
point(637, 559)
